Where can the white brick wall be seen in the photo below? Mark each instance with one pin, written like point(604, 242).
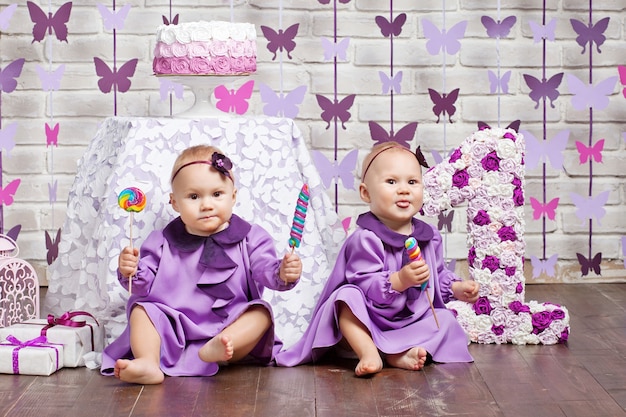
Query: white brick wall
point(79, 106)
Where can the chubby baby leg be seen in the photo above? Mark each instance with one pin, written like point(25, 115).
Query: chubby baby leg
point(413, 359)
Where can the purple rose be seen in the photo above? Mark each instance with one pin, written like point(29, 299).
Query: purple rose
point(510, 271)
point(509, 135)
point(518, 196)
point(460, 179)
point(518, 307)
point(541, 321)
point(456, 155)
point(471, 256)
point(519, 289)
point(497, 330)
point(557, 314)
point(491, 161)
point(491, 263)
point(482, 306)
point(564, 335)
point(482, 218)
point(507, 233)
point(516, 182)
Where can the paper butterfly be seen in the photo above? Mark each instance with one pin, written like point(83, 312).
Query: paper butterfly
point(513, 125)
point(442, 40)
point(166, 21)
point(52, 191)
point(52, 135)
point(544, 89)
point(388, 28)
point(332, 170)
point(50, 81)
point(590, 34)
point(14, 232)
point(496, 84)
point(332, 49)
point(545, 150)
point(52, 246)
point(444, 103)
point(8, 76)
point(587, 265)
point(450, 266)
point(500, 28)
point(7, 193)
point(391, 84)
point(543, 266)
point(589, 96)
point(113, 19)
point(588, 152)
point(402, 136)
point(7, 134)
point(543, 32)
point(120, 78)
point(6, 15)
point(589, 207)
point(621, 69)
point(540, 209)
point(345, 223)
point(281, 40)
point(234, 100)
point(437, 156)
point(445, 220)
point(623, 249)
point(46, 22)
point(333, 110)
point(285, 105)
point(166, 86)
point(328, 1)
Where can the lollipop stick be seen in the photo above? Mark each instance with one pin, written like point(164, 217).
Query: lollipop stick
point(130, 278)
point(432, 308)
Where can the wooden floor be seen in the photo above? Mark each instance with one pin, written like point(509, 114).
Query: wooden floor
point(585, 377)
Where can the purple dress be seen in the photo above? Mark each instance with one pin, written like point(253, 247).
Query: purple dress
point(397, 321)
point(192, 287)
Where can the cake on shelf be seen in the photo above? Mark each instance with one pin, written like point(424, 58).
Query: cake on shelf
point(205, 48)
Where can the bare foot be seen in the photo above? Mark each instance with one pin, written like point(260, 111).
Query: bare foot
point(369, 364)
point(413, 359)
point(220, 348)
point(138, 371)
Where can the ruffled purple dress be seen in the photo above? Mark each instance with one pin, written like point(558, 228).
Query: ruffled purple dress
point(192, 287)
point(397, 321)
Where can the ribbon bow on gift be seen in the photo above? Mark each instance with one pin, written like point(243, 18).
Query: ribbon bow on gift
point(66, 320)
point(40, 341)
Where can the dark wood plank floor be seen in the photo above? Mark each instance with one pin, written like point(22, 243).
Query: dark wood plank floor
point(585, 377)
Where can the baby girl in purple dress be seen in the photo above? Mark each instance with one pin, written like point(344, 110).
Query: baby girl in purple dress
point(197, 284)
point(372, 303)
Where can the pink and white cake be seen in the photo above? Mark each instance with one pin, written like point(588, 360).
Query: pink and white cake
point(205, 48)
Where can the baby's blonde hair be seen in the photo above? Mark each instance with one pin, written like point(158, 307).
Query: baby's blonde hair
point(377, 150)
point(195, 153)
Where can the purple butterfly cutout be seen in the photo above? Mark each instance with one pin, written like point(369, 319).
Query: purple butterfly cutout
point(8, 82)
point(332, 49)
point(545, 150)
point(328, 1)
point(166, 21)
point(590, 34)
point(444, 103)
point(438, 157)
point(589, 96)
point(587, 153)
point(6, 15)
point(113, 19)
point(50, 81)
point(546, 266)
point(7, 134)
point(497, 85)
point(391, 84)
point(333, 110)
point(543, 31)
point(500, 28)
point(393, 28)
point(587, 265)
point(52, 246)
point(52, 191)
point(281, 40)
point(513, 125)
point(46, 22)
point(589, 207)
point(445, 220)
point(282, 105)
point(450, 266)
point(544, 88)
point(52, 135)
point(118, 78)
point(443, 40)
point(332, 170)
point(166, 86)
point(14, 232)
point(402, 136)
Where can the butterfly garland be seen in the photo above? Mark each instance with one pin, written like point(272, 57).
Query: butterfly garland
point(48, 23)
point(498, 29)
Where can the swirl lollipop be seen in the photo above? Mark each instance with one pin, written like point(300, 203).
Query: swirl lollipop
point(415, 254)
point(297, 227)
point(133, 200)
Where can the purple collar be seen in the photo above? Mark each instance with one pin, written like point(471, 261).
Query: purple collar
point(213, 253)
point(422, 231)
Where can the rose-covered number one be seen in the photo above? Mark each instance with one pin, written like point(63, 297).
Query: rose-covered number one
point(487, 172)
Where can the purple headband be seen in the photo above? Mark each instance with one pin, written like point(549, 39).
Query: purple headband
point(218, 161)
point(418, 155)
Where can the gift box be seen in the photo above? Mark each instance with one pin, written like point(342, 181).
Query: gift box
point(77, 336)
point(32, 357)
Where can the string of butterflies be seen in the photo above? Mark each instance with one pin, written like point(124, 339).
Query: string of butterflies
point(585, 96)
